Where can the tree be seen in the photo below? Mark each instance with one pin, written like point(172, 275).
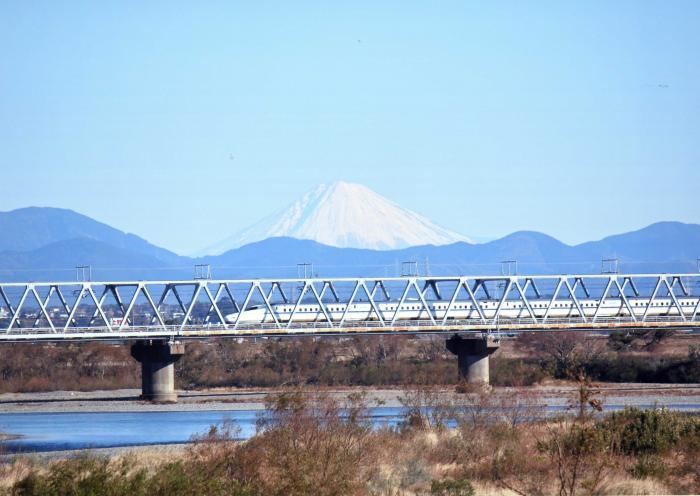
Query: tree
point(568, 350)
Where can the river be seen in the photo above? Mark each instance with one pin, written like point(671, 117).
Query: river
point(39, 432)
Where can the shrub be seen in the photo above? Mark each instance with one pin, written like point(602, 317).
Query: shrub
point(515, 372)
point(312, 446)
point(648, 432)
point(305, 447)
point(84, 475)
point(648, 466)
point(451, 487)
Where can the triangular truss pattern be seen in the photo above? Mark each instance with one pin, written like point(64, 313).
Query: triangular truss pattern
point(379, 284)
point(254, 288)
point(84, 292)
point(29, 297)
point(141, 290)
point(277, 286)
point(154, 309)
point(463, 286)
point(328, 286)
point(361, 285)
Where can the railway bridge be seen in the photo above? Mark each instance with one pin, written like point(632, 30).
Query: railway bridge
point(473, 312)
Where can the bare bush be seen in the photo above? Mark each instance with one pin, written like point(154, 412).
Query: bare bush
point(311, 446)
point(581, 454)
point(426, 407)
point(567, 350)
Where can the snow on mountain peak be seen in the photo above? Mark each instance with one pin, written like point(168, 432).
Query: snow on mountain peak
point(345, 215)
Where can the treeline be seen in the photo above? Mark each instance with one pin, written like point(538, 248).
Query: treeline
point(73, 367)
point(358, 361)
point(446, 445)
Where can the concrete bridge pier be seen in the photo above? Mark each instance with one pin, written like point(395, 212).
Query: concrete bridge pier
point(472, 356)
point(157, 360)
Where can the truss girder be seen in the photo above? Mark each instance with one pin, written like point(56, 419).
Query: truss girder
point(41, 309)
point(328, 285)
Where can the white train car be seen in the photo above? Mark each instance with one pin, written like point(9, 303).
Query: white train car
point(462, 310)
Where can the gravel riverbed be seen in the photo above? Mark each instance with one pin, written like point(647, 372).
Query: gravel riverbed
point(127, 400)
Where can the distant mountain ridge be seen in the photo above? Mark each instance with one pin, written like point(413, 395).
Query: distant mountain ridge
point(46, 244)
point(32, 228)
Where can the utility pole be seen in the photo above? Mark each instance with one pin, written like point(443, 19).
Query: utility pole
point(202, 271)
point(83, 273)
point(509, 268)
point(609, 266)
point(409, 269)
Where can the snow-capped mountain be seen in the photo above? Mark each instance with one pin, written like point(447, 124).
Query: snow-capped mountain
point(345, 215)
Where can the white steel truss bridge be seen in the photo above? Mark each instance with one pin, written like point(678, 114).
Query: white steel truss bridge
point(202, 308)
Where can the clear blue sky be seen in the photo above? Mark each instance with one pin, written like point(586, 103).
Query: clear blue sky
point(578, 119)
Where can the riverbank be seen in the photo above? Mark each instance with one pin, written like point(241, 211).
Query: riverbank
point(230, 399)
point(480, 447)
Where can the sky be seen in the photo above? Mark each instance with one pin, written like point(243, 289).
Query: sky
point(185, 122)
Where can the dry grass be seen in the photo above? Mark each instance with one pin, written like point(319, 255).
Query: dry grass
point(624, 486)
point(310, 446)
point(15, 471)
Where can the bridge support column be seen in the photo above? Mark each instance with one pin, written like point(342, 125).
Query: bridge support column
point(472, 357)
point(157, 360)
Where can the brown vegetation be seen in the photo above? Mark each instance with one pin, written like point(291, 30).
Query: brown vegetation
point(362, 361)
point(77, 367)
point(474, 445)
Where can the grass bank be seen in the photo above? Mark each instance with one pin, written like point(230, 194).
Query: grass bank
point(457, 445)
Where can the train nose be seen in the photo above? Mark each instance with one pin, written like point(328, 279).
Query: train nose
point(231, 318)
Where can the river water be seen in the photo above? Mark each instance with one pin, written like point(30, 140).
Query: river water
point(40, 432)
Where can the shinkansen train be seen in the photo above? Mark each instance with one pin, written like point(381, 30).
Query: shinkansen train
point(462, 310)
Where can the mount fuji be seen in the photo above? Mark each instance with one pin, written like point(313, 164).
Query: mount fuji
point(344, 215)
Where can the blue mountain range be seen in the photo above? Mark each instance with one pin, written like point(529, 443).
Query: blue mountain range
point(48, 243)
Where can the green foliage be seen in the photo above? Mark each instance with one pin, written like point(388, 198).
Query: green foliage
point(648, 467)
point(93, 476)
point(451, 487)
point(576, 441)
point(318, 445)
point(85, 476)
point(649, 432)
